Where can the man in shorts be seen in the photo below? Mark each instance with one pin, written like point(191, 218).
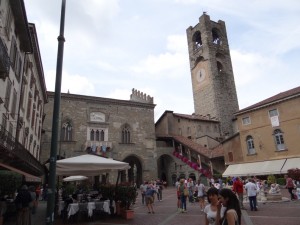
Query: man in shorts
point(149, 195)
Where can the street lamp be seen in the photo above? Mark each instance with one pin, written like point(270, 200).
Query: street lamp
point(55, 120)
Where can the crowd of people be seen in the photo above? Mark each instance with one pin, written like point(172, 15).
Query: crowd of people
point(224, 201)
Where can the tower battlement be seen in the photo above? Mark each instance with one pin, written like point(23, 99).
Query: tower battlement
point(139, 96)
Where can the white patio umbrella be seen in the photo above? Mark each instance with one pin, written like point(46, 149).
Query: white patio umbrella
point(88, 165)
point(74, 178)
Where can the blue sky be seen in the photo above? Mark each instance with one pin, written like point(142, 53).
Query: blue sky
point(116, 45)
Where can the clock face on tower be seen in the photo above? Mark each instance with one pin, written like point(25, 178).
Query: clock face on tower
point(200, 75)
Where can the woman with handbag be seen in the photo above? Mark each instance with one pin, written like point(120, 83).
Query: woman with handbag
point(183, 193)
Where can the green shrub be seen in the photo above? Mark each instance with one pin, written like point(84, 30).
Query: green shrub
point(271, 179)
point(9, 182)
point(70, 189)
point(281, 181)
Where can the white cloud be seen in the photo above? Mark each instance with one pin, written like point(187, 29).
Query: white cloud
point(73, 83)
point(171, 64)
point(249, 67)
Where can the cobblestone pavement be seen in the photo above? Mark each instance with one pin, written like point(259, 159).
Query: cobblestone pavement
point(275, 213)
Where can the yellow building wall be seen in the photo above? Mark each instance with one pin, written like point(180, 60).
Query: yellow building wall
point(263, 133)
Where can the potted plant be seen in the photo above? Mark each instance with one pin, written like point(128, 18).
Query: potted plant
point(126, 195)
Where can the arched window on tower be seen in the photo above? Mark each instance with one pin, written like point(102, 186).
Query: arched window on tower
point(279, 141)
point(250, 145)
point(216, 36)
point(219, 66)
point(125, 139)
point(66, 131)
point(197, 40)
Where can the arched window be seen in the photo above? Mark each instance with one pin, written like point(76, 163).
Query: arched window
point(92, 135)
point(216, 36)
point(97, 135)
point(102, 135)
point(219, 66)
point(126, 135)
point(66, 131)
point(278, 135)
point(197, 40)
point(250, 145)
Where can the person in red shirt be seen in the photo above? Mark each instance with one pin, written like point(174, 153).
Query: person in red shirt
point(238, 188)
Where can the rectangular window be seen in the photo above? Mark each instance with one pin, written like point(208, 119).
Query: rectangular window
point(246, 120)
point(7, 94)
point(8, 23)
point(14, 105)
point(13, 54)
point(29, 107)
point(273, 112)
point(188, 130)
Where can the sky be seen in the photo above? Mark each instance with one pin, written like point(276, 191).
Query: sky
point(116, 45)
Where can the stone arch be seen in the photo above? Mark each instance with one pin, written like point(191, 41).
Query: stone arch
point(164, 164)
point(135, 173)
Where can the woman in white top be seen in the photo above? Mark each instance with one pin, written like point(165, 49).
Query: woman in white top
point(211, 209)
point(200, 188)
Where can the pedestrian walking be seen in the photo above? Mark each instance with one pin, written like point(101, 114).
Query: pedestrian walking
point(22, 201)
point(149, 197)
point(160, 186)
point(251, 189)
point(183, 193)
point(200, 188)
point(143, 189)
point(238, 189)
point(191, 188)
point(290, 185)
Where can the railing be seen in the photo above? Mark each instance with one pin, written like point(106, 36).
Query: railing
point(12, 150)
point(6, 139)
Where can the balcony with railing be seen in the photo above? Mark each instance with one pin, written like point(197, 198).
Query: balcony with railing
point(16, 155)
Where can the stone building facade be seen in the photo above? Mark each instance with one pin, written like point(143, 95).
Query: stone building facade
point(22, 92)
point(119, 129)
point(212, 77)
point(188, 146)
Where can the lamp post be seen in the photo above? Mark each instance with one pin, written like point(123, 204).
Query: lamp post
point(55, 120)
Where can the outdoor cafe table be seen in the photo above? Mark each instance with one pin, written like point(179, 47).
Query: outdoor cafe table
point(73, 208)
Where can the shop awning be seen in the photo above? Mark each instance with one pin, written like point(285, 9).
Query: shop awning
point(255, 168)
point(291, 163)
point(28, 177)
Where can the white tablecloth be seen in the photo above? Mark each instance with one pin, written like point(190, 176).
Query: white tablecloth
point(91, 207)
point(73, 208)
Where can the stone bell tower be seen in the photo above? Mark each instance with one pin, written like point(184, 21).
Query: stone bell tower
point(213, 84)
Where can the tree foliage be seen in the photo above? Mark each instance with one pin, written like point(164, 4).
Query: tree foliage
point(294, 174)
point(9, 182)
